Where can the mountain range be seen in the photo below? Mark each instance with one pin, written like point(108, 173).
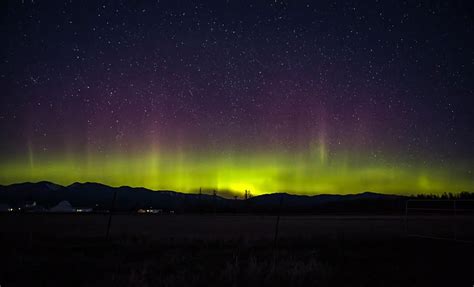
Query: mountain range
point(100, 197)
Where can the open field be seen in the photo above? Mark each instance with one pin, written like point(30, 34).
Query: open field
point(201, 226)
point(230, 250)
point(228, 227)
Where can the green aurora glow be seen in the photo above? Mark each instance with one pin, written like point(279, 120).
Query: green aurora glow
point(311, 172)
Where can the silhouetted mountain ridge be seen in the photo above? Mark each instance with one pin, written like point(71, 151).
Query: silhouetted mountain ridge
point(129, 199)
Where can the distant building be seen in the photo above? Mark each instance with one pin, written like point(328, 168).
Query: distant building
point(63, 206)
point(150, 210)
point(36, 208)
point(83, 209)
point(30, 204)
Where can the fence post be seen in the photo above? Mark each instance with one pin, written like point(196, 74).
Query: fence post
point(277, 221)
point(275, 238)
point(406, 217)
point(455, 221)
point(112, 209)
point(214, 201)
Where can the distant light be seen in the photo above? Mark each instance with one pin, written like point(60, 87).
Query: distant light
point(150, 210)
point(83, 209)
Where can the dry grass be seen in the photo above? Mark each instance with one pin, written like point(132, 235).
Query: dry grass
point(352, 255)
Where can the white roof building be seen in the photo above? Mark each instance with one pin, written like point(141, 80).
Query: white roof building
point(63, 206)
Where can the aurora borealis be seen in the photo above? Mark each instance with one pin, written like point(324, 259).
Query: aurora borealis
point(273, 96)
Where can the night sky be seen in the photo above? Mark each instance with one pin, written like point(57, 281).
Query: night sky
point(270, 96)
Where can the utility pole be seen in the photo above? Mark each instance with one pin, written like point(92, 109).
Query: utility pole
point(275, 239)
point(112, 210)
point(214, 195)
point(200, 201)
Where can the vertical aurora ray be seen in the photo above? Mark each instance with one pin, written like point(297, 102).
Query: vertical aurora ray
point(303, 98)
point(302, 172)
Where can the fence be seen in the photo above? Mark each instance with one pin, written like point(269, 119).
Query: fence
point(440, 219)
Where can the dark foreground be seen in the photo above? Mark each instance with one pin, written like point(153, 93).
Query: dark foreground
point(35, 253)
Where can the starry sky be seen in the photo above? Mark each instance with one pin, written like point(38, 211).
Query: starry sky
point(305, 97)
